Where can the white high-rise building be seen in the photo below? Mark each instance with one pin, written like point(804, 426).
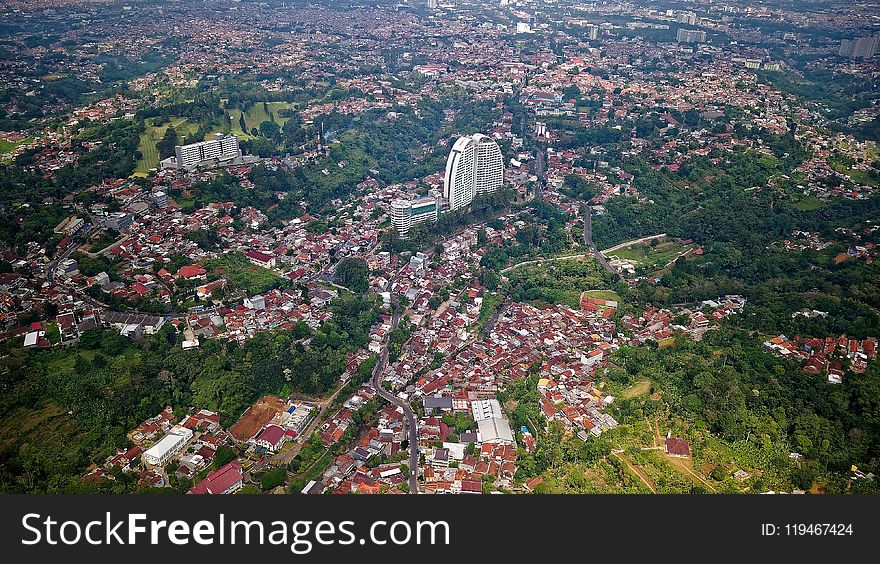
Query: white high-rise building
point(690, 35)
point(490, 165)
point(221, 148)
point(406, 213)
point(474, 167)
point(688, 18)
point(592, 32)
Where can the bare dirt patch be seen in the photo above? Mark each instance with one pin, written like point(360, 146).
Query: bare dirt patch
point(256, 417)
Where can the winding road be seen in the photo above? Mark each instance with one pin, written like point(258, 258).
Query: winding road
point(388, 396)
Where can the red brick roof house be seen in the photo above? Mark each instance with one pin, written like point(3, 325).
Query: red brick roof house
point(678, 447)
point(224, 480)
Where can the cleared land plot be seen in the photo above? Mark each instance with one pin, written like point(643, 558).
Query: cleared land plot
point(637, 389)
point(256, 417)
point(603, 295)
point(243, 275)
point(648, 257)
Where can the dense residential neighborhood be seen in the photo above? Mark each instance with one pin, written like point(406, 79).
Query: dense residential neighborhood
point(439, 248)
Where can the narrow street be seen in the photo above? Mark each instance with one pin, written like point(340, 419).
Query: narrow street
point(388, 396)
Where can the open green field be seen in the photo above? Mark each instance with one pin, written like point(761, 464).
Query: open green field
point(152, 135)
point(810, 203)
point(149, 156)
point(603, 295)
point(243, 275)
point(255, 116)
point(9, 146)
point(648, 257)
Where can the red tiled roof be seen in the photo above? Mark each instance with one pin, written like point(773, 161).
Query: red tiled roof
point(220, 480)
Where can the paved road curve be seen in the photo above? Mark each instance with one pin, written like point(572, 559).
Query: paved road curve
point(588, 239)
point(388, 396)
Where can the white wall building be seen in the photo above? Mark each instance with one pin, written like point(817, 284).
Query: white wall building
point(221, 148)
point(406, 213)
point(486, 409)
point(171, 444)
point(474, 167)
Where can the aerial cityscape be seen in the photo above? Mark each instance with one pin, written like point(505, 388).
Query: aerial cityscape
point(440, 247)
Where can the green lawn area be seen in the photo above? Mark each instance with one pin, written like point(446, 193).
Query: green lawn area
point(147, 146)
point(9, 146)
point(603, 295)
point(861, 177)
point(810, 203)
point(243, 275)
point(647, 257)
point(255, 116)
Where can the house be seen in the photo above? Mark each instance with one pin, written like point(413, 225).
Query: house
point(494, 430)
point(191, 271)
point(224, 480)
point(441, 403)
point(256, 302)
point(679, 448)
point(533, 483)
point(260, 259)
point(171, 444)
point(271, 438)
point(34, 338)
point(314, 487)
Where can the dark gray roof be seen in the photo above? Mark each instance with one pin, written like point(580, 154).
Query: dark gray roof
point(438, 402)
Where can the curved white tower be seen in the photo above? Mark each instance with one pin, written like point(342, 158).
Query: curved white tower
point(490, 165)
point(458, 186)
point(474, 167)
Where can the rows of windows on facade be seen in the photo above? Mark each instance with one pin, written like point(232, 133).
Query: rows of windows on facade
point(222, 149)
point(474, 168)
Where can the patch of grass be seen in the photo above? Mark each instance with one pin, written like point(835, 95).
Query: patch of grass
point(637, 389)
point(147, 146)
point(648, 257)
point(9, 146)
point(809, 203)
point(603, 295)
point(243, 275)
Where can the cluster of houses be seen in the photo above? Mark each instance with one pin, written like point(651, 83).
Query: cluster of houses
point(661, 325)
point(190, 444)
point(830, 356)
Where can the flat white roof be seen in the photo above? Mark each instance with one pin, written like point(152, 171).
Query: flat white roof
point(168, 443)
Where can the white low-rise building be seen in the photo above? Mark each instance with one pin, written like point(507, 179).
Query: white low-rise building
point(171, 444)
